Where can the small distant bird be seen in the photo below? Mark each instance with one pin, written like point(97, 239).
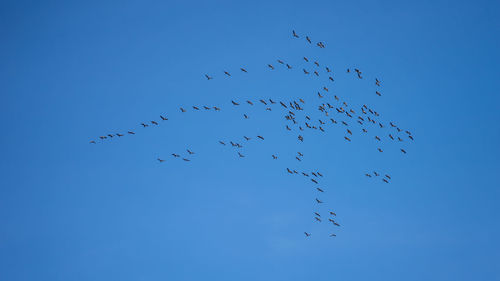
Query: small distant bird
point(187, 160)
point(307, 234)
point(189, 151)
point(119, 135)
point(347, 138)
point(280, 62)
point(295, 34)
point(306, 59)
point(144, 125)
point(244, 115)
point(332, 235)
point(316, 63)
point(319, 174)
point(227, 73)
point(270, 66)
point(368, 175)
point(386, 181)
point(313, 180)
point(182, 109)
point(377, 82)
point(216, 108)
point(175, 155)
point(154, 122)
point(308, 39)
point(319, 189)
point(387, 176)
point(249, 102)
point(319, 201)
point(298, 158)
point(235, 103)
point(247, 138)
point(208, 77)
point(288, 66)
point(379, 149)
point(263, 101)
point(163, 118)
point(242, 69)
point(305, 71)
point(241, 155)
point(221, 142)
point(160, 160)
point(300, 154)
point(404, 151)
point(376, 174)
point(300, 138)
point(131, 133)
point(333, 214)
point(275, 157)
point(195, 108)
point(92, 141)
point(331, 78)
point(378, 93)
point(260, 137)
point(318, 219)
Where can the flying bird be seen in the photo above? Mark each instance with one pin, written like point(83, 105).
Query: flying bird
point(208, 77)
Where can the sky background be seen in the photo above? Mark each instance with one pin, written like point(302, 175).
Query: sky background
point(71, 71)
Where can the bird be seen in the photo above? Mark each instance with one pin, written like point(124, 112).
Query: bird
point(208, 77)
point(247, 138)
point(300, 154)
point(306, 59)
point(317, 214)
point(260, 137)
point(333, 235)
point(154, 122)
point(377, 82)
point(189, 151)
point(195, 108)
point(295, 34)
point(131, 133)
point(280, 62)
point(378, 93)
point(263, 101)
point(275, 157)
point(347, 138)
point(316, 63)
point(318, 219)
point(270, 66)
point(144, 125)
point(241, 155)
point(319, 174)
point(404, 151)
point(307, 234)
point(300, 138)
point(246, 116)
point(289, 171)
point(187, 160)
point(92, 141)
point(175, 155)
point(379, 149)
point(333, 214)
point(387, 176)
point(221, 142)
point(182, 109)
point(368, 175)
point(313, 180)
point(288, 66)
point(234, 103)
point(163, 118)
point(319, 189)
point(308, 39)
point(386, 181)
point(305, 71)
point(298, 158)
point(244, 70)
point(319, 201)
point(160, 160)
point(376, 174)
point(227, 73)
point(327, 69)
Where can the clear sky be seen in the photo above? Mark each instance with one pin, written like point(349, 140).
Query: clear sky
point(71, 71)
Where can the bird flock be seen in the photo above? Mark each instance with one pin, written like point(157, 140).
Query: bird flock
point(334, 112)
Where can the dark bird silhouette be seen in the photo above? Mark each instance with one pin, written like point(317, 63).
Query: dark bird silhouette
point(386, 181)
point(376, 174)
point(316, 63)
point(221, 142)
point(247, 138)
point(160, 160)
point(119, 135)
point(300, 138)
point(249, 102)
point(306, 59)
point(244, 115)
point(378, 93)
point(263, 101)
point(295, 34)
point(328, 69)
point(298, 158)
point(131, 133)
point(182, 109)
point(319, 174)
point(235, 103)
point(319, 189)
point(187, 160)
point(305, 71)
point(333, 235)
point(280, 62)
point(275, 157)
point(308, 39)
point(347, 138)
point(144, 125)
point(227, 73)
point(318, 219)
point(163, 118)
point(387, 176)
point(260, 137)
point(404, 151)
point(154, 122)
point(319, 201)
point(368, 175)
point(244, 70)
point(216, 108)
point(175, 155)
point(379, 149)
point(377, 82)
point(189, 151)
point(288, 66)
point(208, 77)
point(270, 66)
point(307, 234)
point(241, 155)
point(313, 180)
point(92, 142)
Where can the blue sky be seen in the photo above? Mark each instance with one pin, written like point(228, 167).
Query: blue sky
point(72, 71)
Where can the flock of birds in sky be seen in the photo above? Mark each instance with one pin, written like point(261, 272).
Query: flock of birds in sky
point(334, 111)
